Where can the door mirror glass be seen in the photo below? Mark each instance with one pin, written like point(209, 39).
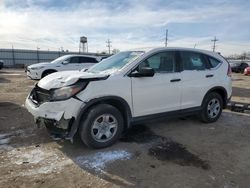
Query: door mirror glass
point(143, 72)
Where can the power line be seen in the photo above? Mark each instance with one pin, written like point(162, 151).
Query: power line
point(166, 39)
point(108, 44)
point(214, 41)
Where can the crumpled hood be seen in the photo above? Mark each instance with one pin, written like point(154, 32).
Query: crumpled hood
point(65, 78)
point(39, 64)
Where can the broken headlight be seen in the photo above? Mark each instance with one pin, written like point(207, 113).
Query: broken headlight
point(68, 91)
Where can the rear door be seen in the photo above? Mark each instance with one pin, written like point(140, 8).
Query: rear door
point(160, 93)
point(197, 78)
point(87, 62)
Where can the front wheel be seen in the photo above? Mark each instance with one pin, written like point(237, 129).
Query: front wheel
point(102, 126)
point(211, 108)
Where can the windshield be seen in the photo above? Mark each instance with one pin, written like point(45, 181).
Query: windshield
point(115, 62)
point(60, 59)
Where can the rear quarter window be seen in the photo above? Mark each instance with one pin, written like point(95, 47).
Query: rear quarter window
point(213, 62)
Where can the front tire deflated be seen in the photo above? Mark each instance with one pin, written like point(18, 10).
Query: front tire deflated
point(102, 126)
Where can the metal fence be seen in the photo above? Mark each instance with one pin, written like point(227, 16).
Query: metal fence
point(21, 57)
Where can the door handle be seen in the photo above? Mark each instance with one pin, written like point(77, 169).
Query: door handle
point(175, 80)
point(209, 75)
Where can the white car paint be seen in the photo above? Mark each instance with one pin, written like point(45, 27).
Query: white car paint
point(62, 63)
point(65, 78)
point(144, 95)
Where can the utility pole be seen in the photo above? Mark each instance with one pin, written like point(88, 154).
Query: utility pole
point(37, 50)
point(108, 44)
point(166, 40)
point(214, 41)
point(13, 56)
point(195, 45)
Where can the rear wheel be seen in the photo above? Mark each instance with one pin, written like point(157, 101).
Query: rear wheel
point(211, 108)
point(102, 126)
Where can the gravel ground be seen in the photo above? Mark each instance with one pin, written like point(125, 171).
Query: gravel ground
point(169, 153)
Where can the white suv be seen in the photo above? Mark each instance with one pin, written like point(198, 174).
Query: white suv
point(66, 62)
point(131, 87)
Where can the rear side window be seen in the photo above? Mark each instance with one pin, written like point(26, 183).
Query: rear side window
point(213, 62)
point(193, 61)
point(87, 60)
point(161, 62)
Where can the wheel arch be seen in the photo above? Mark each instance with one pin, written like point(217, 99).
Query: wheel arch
point(118, 102)
point(48, 70)
point(221, 91)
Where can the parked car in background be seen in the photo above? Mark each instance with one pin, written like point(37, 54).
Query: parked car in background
point(1, 64)
point(247, 71)
point(131, 87)
point(63, 63)
point(239, 67)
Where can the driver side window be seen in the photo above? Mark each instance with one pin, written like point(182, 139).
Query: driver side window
point(163, 62)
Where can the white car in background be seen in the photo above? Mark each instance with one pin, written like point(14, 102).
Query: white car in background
point(63, 63)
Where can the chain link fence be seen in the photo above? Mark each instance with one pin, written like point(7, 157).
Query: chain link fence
point(22, 57)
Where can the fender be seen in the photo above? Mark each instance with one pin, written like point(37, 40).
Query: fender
point(47, 70)
point(223, 92)
point(107, 99)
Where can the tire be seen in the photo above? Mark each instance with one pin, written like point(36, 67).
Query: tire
point(96, 127)
point(46, 73)
point(211, 108)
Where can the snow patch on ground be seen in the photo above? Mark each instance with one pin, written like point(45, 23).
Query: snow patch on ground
point(5, 135)
point(35, 161)
point(55, 166)
point(4, 142)
point(99, 160)
point(32, 156)
point(5, 147)
point(5, 138)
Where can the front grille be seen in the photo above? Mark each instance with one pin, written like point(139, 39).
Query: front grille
point(39, 95)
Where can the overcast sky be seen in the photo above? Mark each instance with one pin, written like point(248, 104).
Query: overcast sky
point(129, 24)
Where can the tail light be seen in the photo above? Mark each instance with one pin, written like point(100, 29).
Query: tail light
point(229, 70)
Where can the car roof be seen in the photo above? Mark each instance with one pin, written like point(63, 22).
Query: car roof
point(156, 49)
point(184, 49)
point(79, 55)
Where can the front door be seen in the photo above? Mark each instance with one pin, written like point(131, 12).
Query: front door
point(160, 93)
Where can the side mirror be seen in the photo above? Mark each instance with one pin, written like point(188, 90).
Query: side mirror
point(84, 69)
point(65, 62)
point(143, 72)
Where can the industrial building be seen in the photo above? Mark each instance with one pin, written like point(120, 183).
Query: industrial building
point(23, 57)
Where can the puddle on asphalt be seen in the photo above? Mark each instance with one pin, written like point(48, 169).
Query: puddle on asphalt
point(172, 151)
point(162, 148)
point(139, 134)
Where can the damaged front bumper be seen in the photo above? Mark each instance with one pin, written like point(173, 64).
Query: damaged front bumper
point(57, 116)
